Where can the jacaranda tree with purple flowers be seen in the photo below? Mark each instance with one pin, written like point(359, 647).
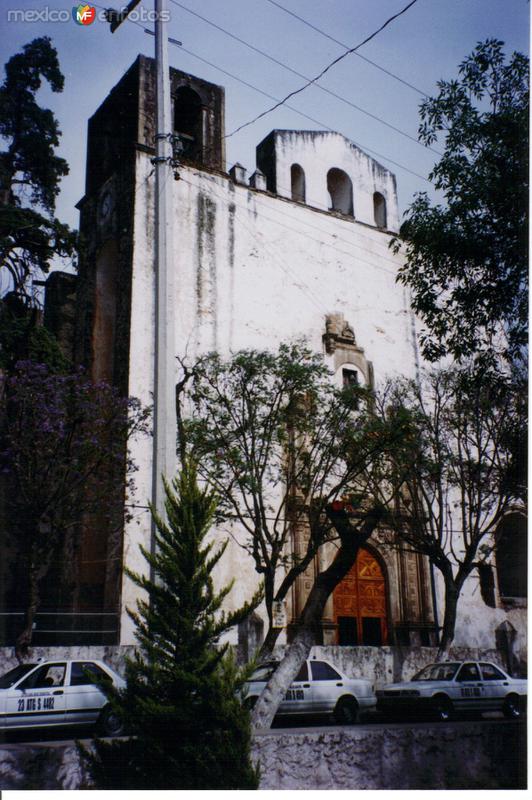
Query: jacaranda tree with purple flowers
point(64, 454)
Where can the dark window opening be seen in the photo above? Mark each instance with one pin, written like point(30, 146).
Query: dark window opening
point(371, 631)
point(349, 378)
point(487, 584)
point(468, 672)
point(321, 671)
point(347, 631)
point(188, 123)
point(340, 191)
point(302, 675)
point(87, 673)
point(511, 556)
point(297, 178)
point(379, 210)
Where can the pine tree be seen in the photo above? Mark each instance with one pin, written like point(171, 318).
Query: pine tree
point(187, 728)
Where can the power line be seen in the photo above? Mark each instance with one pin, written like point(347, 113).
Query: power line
point(306, 116)
point(326, 69)
point(305, 78)
point(346, 46)
point(271, 97)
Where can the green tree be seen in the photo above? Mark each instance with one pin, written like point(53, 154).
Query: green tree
point(188, 728)
point(63, 457)
point(453, 477)
point(279, 443)
point(295, 462)
point(466, 259)
point(30, 171)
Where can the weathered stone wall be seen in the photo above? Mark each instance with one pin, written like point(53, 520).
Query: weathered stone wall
point(468, 756)
point(472, 756)
point(378, 664)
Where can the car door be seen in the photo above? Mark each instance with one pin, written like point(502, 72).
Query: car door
point(298, 699)
point(327, 686)
point(39, 699)
point(84, 700)
point(470, 695)
point(496, 686)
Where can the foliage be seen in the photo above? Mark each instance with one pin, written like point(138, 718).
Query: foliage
point(63, 451)
point(279, 443)
point(453, 477)
point(30, 171)
point(466, 260)
point(22, 337)
point(189, 729)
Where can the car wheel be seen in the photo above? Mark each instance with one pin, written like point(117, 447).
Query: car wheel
point(442, 708)
point(512, 707)
point(346, 711)
point(110, 723)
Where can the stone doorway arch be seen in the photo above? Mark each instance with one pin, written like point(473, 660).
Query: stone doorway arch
point(360, 603)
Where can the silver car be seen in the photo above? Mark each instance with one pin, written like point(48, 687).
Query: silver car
point(448, 687)
point(319, 688)
point(57, 693)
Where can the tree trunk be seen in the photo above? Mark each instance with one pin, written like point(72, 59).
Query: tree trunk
point(269, 642)
point(23, 640)
point(351, 540)
point(452, 593)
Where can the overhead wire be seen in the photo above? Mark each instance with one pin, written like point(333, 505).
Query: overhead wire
point(323, 125)
point(346, 46)
point(325, 69)
point(304, 77)
point(311, 238)
point(271, 97)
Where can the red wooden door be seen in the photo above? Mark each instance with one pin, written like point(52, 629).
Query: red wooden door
point(359, 603)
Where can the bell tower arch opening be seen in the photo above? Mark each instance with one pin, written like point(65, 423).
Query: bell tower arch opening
point(340, 190)
point(188, 122)
point(360, 602)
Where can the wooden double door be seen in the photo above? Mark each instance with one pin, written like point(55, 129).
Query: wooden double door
point(360, 603)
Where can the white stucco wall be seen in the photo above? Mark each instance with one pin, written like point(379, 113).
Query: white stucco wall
point(317, 152)
point(253, 270)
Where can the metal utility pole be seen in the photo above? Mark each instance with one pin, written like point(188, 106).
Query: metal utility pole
point(164, 422)
point(164, 430)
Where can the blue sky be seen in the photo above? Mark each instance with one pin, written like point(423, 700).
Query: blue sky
point(422, 46)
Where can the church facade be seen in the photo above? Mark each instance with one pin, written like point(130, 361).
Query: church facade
point(298, 248)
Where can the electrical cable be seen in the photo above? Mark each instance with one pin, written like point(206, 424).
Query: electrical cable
point(271, 97)
point(346, 46)
point(323, 125)
point(305, 78)
point(326, 69)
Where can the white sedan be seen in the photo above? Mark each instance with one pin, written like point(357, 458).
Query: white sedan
point(451, 686)
point(57, 693)
point(319, 688)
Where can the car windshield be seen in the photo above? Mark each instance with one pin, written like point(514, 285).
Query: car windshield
point(437, 672)
point(14, 675)
point(264, 672)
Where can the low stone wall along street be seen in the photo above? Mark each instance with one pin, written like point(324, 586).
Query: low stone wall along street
point(466, 755)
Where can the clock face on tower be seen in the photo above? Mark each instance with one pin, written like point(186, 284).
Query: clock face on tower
point(106, 206)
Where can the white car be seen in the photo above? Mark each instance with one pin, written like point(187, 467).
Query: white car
point(319, 688)
point(57, 693)
point(448, 687)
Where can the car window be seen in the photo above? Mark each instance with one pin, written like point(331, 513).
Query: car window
point(437, 672)
point(491, 673)
point(14, 675)
point(321, 671)
point(48, 676)
point(85, 673)
point(302, 675)
point(468, 672)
